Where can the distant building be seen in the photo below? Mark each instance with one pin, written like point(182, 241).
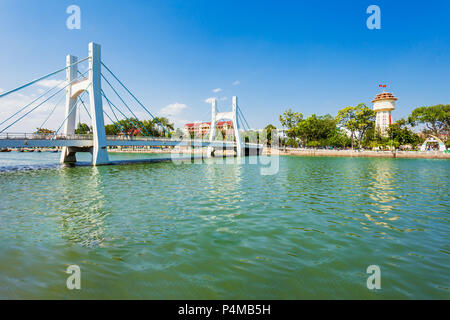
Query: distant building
point(132, 132)
point(383, 105)
point(202, 128)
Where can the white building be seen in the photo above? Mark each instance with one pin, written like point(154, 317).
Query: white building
point(383, 105)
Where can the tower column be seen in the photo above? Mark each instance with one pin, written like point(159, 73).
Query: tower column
point(212, 130)
point(69, 125)
point(236, 127)
point(100, 152)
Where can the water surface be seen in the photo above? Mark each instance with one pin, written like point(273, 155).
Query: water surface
point(215, 231)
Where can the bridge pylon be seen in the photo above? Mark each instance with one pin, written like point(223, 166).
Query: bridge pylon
point(91, 84)
point(218, 116)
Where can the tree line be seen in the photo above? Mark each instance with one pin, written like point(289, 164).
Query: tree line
point(355, 126)
point(133, 127)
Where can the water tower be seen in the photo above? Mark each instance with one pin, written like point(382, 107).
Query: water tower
point(383, 105)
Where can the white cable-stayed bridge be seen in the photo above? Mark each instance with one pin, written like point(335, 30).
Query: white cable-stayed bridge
point(78, 84)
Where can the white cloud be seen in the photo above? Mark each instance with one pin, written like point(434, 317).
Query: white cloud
point(236, 83)
point(216, 90)
point(223, 98)
point(173, 109)
point(13, 103)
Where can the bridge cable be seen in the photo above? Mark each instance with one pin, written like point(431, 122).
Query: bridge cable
point(117, 119)
point(118, 95)
point(79, 111)
point(41, 103)
point(70, 112)
point(244, 125)
point(109, 102)
point(121, 130)
point(31, 103)
point(82, 102)
point(51, 113)
point(41, 78)
point(115, 123)
point(114, 113)
point(239, 109)
point(154, 118)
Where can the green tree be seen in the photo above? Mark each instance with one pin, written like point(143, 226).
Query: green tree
point(338, 139)
point(356, 119)
point(144, 127)
point(268, 129)
point(402, 135)
point(316, 128)
point(436, 119)
point(44, 131)
point(292, 143)
point(157, 130)
point(82, 128)
point(111, 130)
point(290, 120)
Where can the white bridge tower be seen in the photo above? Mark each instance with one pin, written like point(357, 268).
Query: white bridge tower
point(91, 84)
point(218, 116)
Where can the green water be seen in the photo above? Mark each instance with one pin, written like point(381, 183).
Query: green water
point(224, 231)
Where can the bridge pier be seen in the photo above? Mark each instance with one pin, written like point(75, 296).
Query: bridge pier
point(91, 84)
point(218, 116)
point(210, 152)
point(252, 151)
point(69, 126)
point(100, 151)
point(68, 155)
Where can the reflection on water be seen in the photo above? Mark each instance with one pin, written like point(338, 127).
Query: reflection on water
point(382, 192)
point(223, 230)
point(83, 221)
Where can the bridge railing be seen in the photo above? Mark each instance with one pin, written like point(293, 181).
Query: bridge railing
point(146, 138)
point(43, 136)
point(51, 136)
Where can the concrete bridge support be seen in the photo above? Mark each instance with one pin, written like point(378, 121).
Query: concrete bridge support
point(225, 116)
point(69, 125)
point(69, 154)
point(91, 84)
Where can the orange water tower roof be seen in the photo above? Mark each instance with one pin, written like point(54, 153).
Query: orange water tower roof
point(384, 96)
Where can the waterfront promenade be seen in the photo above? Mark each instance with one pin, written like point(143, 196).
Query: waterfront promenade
point(365, 153)
point(315, 153)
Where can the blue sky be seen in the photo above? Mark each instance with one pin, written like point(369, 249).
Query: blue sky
point(311, 56)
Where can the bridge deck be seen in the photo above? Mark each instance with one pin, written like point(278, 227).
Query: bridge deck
point(48, 141)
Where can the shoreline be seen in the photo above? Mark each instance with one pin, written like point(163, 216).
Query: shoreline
point(321, 153)
point(366, 154)
point(296, 152)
